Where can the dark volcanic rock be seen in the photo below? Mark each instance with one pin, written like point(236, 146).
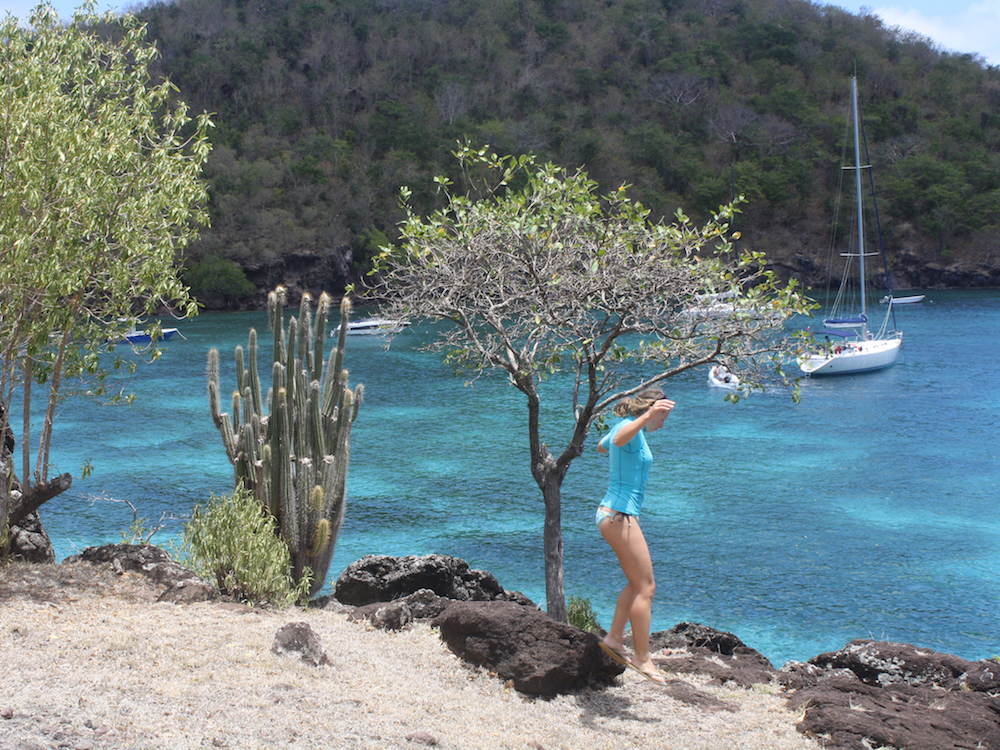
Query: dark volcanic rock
point(183, 584)
point(382, 578)
point(299, 639)
point(523, 645)
point(29, 542)
point(871, 694)
point(879, 663)
point(691, 648)
point(395, 615)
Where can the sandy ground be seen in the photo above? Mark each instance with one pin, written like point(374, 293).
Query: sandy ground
point(93, 662)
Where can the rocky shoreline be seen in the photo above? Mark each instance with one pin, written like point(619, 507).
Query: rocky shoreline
point(867, 694)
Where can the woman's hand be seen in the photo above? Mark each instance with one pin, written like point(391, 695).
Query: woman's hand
point(652, 419)
point(657, 414)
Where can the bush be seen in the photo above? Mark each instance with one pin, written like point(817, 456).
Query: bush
point(221, 277)
point(235, 543)
point(581, 615)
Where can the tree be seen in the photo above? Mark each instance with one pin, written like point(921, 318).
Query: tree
point(99, 190)
point(542, 276)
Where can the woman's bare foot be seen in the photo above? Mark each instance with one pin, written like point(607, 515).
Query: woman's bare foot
point(650, 671)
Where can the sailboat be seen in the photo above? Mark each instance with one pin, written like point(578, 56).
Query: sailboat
point(849, 341)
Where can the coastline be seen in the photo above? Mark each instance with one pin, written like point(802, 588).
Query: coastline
point(94, 662)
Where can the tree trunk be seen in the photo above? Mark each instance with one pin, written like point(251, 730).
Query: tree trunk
point(555, 586)
point(36, 496)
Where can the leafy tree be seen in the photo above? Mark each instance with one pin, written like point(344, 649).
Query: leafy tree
point(99, 189)
point(221, 277)
point(543, 276)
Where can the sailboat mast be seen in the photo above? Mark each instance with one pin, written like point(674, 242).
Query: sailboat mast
point(857, 180)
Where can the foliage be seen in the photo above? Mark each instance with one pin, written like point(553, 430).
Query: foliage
point(99, 169)
point(141, 530)
point(293, 458)
point(327, 109)
point(215, 276)
point(542, 277)
point(580, 614)
point(233, 542)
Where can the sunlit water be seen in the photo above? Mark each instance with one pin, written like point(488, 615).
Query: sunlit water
point(868, 510)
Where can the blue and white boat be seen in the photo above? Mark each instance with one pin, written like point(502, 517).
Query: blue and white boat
point(372, 327)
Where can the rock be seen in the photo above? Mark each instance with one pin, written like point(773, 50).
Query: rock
point(182, 584)
point(29, 542)
point(299, 639)
point(699, 649)
point(872, 694)
point(523, 645)
point(422, 605)
point(384, 615)
point(422, 738)
point(879, 663)
point(382, 578)
point(685, 634)
point(189, 590)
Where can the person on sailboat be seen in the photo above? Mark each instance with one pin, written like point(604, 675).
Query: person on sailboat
point(618, 522)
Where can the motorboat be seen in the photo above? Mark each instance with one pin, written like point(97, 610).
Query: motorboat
point(721, 377)
point(372, 327)
point(145, 336)
point(911, 300)
point(847, 341)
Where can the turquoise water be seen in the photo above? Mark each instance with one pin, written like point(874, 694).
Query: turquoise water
point(868, 510)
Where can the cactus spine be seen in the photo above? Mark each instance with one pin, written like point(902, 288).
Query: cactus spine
point(294, 458)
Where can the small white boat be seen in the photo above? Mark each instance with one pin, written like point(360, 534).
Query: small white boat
point(720, 377)
point(372, 327)
point(912, 300)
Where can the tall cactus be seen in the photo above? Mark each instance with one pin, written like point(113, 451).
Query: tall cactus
point(295, 457)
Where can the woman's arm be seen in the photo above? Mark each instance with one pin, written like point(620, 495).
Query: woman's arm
point(656, 413)
point(602, 444)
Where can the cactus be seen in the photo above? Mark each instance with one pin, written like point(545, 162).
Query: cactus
point(294, 459)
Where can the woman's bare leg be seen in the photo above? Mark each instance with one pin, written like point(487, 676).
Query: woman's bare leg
point(635, 602)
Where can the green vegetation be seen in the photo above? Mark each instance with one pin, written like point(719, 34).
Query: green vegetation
point(100, 190)
point(326, 108)
point(581, 615)
point(293, 458)
point(213, 276)
point(233, 541)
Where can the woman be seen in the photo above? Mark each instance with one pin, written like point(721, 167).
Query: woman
point(618, 522)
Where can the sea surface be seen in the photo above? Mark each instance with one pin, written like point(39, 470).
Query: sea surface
point(868, 510)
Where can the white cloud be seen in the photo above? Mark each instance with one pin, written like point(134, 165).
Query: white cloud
point(973, 29)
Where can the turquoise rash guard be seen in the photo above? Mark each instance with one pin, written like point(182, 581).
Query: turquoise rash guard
point(628, 471)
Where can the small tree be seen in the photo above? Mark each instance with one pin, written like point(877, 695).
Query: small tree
point(99, 190)
point(541, 275)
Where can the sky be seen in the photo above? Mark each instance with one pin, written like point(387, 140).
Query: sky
point(963, 26)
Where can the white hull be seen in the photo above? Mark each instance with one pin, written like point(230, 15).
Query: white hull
point(852, 356)
point(720, 377)
point(372, 327)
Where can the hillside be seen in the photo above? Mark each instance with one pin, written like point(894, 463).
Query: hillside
point(324, 108)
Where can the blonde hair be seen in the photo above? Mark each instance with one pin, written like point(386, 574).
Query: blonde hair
point(633, 406)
